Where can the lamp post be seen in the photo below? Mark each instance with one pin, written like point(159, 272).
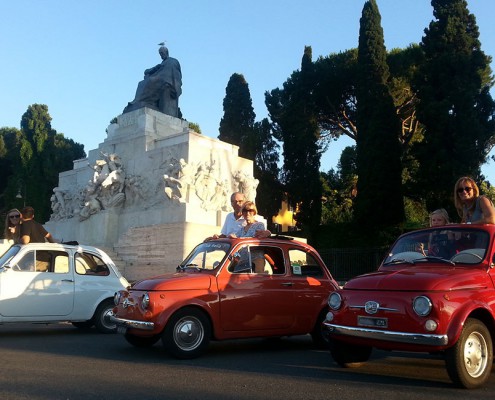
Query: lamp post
point(19, 194)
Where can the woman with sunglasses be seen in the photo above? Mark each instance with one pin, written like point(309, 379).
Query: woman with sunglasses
point(251, 226)
point(471, 207)
point(12, 226)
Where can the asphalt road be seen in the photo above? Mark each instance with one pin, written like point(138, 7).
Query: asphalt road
point(60, 362)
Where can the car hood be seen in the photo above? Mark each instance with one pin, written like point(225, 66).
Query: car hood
point(426, 278)
point(176, 281)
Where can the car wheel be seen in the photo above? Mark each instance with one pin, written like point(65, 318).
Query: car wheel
point(102, 315)
point(469, 361)
point(83, 324)
point(141, 341)
point(187, 333)
point(349, 355)
point(319, 333)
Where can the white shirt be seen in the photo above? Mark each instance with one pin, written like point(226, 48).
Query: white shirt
point(232, 225)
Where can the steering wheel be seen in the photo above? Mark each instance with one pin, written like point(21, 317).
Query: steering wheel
point(16, 267)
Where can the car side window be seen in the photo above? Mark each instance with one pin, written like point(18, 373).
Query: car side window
point(258, 260)
point(89, 264)
point(304, 264)
point(26, 263)
point(44, 261)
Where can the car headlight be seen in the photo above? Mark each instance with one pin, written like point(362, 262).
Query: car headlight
point(116, 298)
point(422, 306)
point(145, 301)
point(334, 301)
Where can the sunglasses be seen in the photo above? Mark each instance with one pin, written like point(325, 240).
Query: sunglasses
point(15, 216)
point(249, 211)
point(466, 189)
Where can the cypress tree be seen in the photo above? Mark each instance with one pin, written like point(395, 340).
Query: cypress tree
point(379, 202)
point(293, 112)
point(236, 125)
point(455, 105)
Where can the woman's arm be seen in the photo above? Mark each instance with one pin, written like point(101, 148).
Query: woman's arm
point(487, 211)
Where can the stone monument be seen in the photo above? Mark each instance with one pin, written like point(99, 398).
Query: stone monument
point(150, 192)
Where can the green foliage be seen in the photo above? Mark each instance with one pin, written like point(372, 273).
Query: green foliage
point(295, 125)
point(34, 157)
point(236, 125)
point(195, 127)
point(379, 202)
point(255, 142)
point(455, 105)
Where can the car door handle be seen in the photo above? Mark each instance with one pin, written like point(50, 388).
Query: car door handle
point(287, 284)
point(68, 280)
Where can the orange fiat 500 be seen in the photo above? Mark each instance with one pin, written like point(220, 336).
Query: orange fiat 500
point(229, 289)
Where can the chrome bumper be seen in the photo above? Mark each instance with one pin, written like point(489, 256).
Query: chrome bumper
point(129, 323)
point(388, 336)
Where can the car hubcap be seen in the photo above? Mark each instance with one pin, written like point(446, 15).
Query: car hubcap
point(188, 333)
point(475, 354)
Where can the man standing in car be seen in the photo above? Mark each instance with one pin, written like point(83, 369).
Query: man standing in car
point(31, 230)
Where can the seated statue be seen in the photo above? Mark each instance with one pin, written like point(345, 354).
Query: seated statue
point(161, 87)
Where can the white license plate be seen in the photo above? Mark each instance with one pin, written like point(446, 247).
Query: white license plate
point(372, 322)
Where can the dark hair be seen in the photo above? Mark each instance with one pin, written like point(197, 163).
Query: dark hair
point(27, 212)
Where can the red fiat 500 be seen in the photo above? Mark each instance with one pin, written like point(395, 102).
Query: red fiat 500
point(227, 289)
point(434, 292)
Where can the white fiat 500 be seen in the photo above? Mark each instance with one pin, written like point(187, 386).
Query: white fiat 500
point(51, 282)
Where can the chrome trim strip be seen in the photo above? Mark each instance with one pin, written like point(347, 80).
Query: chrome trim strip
point(388, 336)
point(379, 308)
point(129, 323)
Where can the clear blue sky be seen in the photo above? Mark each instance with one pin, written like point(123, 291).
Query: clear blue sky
point(83, 59)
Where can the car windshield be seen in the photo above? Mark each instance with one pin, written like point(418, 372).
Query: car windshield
point(208, 255)
point(8, 255)
point(443, 244)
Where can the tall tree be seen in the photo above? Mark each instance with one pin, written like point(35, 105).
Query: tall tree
point(455, 105)
point(379, 201)
point(236, 125)
point(293, 112)
point(266, 170)
point(43, 154)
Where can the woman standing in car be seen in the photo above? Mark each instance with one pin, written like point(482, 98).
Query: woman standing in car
point(471, 207)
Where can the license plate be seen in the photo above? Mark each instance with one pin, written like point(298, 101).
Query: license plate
point(372, 322)
point(121, 329)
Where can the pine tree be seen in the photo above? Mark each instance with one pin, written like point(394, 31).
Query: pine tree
point(379, 201)
point(455, 105)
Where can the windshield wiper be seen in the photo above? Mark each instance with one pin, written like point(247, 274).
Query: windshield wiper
point(398, 261)
point(439, 259)
point(183, 267)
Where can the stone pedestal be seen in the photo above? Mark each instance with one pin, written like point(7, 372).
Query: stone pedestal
point(154, 176)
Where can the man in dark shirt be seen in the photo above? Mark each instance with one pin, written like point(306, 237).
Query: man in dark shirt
point(32, 231)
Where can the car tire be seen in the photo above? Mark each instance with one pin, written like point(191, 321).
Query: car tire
point(83, 324)
point(102, 315)
point(141, 341)
point(349, 355)
point(187, 333)
point(469, 361)
point(319, 333)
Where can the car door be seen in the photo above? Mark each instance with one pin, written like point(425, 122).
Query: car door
point(252, 301)
point(311, 285)
point(38, 284)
